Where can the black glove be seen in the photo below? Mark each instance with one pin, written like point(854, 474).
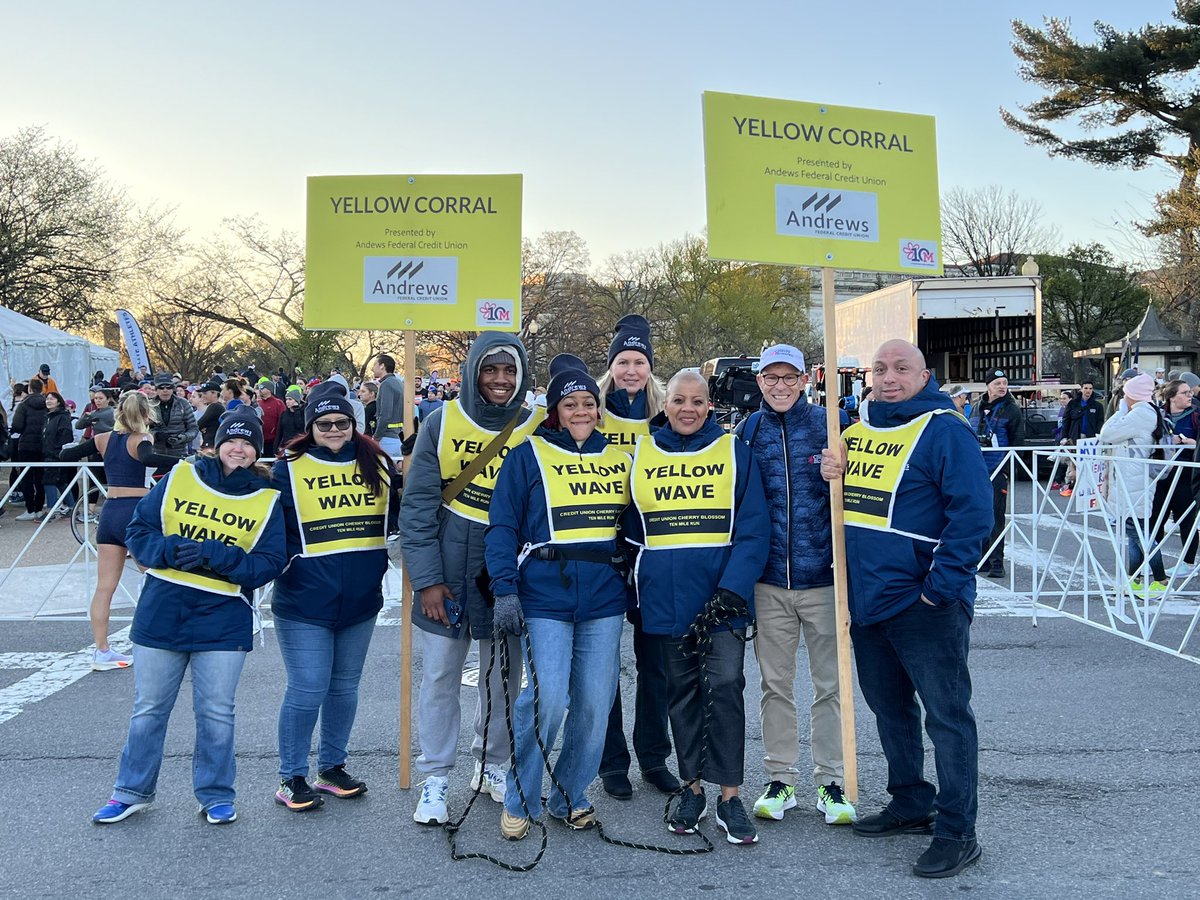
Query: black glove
point(187, 555)
point(733, 606)
point(507, 616)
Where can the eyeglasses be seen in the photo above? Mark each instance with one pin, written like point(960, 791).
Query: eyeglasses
point(773, 379)
point(327, 425)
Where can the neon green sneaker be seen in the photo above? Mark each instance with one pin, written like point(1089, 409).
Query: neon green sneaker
point(777, 799)
point(1154, 589)
point(831, 801)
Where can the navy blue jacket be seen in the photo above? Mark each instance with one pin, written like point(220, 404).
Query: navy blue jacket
point(189, 620)
point(1002, 420)
point(787, 449)
point(334, 591)
point(518, 517)
point(942, 514)
point(674, 584)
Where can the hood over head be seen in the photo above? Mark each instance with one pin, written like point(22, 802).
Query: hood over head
point(489, 415)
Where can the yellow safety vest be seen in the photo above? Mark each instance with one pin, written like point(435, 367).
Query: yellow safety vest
point(460, 441)
point(192, 509)
point(623, 433)
point(335, 511)
point(585, 493)
point(876, 461)
point(685, 499)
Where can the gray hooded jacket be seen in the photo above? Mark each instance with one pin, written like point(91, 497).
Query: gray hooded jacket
point(438, 546)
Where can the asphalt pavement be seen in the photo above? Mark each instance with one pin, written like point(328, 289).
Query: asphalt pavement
point(1088, 751)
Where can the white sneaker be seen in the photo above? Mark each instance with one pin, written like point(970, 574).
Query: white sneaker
point(104, 660)
point(28, 517)
point(495, 780)
point(431, 809)
point(1183, 570)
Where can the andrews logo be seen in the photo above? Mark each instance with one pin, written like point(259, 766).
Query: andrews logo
point(404, 269)
point(844, 215)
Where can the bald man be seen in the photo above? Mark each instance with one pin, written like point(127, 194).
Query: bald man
point(918, 506)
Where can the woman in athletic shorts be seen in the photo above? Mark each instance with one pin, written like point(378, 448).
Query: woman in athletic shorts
point(127, 450)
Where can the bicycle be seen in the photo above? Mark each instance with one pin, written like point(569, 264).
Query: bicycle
point(85, 532)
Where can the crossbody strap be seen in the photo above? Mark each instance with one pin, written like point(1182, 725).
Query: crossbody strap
point(467, 475)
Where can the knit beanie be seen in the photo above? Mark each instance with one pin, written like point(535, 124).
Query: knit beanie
point(1139, 388)
point(327, 397)
point(632, 333)
point(241, 423)
point(568, 374)
point(992, 375)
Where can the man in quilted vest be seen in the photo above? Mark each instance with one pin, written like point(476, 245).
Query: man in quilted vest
point(795, 596)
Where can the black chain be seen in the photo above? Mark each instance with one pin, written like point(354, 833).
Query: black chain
point(697, 642)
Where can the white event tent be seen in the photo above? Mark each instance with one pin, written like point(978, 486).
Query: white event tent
point(25, 344)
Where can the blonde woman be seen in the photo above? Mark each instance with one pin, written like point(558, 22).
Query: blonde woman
point(127, 451)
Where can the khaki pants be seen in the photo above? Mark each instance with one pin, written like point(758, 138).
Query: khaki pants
point(782, 617)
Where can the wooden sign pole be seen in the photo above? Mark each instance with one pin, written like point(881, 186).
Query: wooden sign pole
point(838, 521)
point(406, 598)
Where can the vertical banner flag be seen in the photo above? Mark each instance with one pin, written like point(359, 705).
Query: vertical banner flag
point(808, 184)
point(134, 345)
point(414, 252)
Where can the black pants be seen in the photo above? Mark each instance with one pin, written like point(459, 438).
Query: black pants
point(720, 756)
point(31, 483)
point(999, 514)
point(1177, 502)
point(651, 741)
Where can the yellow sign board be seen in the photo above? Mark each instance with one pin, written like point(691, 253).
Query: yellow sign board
point(805, 184)
point(414, 252)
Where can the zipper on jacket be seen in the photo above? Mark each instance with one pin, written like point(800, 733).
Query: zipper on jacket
point(787, 480)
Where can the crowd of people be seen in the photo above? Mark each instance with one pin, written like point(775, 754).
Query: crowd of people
point(534, 524)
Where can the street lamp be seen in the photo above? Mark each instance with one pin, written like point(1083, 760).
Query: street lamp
point(533, 330)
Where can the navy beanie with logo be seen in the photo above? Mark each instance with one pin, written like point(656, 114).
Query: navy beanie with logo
point(327, 397)
point(632, 333)
point(238, 424)
point(569, 374)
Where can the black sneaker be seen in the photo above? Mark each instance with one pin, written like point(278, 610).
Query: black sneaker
point(691, 809)
point(337, 782)
point(296, 795)
point(946, 857)
point(886, 823)
point(732, 819)
point(661, 779)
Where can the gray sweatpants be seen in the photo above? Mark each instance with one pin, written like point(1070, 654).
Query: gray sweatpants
point(439, 711)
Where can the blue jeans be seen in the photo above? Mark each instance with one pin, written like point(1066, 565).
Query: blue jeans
point(1135, 552)
point(390, 446)
point(52, 492)
point(323, 670)
point(157, 675)
point(922, 651)
point(576, 665)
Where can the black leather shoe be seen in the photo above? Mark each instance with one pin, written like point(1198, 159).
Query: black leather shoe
point(617, 786)
point(996, 570)
point(662, 779)
point(946, 858)
point(886, 823)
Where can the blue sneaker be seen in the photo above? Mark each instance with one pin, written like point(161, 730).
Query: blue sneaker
point(221, 814)
point(116, 811)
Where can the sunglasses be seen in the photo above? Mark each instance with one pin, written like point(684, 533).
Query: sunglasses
point(328, 425)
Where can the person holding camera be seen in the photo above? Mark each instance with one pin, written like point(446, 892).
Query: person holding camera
point(335, 486)
point(176, 427)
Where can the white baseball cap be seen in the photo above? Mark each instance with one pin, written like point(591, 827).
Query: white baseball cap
point(782, 353)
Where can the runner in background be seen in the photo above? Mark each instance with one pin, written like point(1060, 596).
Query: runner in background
point(127, 451)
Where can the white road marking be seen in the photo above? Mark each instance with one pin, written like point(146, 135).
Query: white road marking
point(55, 671)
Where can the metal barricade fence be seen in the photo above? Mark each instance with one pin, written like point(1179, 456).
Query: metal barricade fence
point(1070, 555)
point(49, 571)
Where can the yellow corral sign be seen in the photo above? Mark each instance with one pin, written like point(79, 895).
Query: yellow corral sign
point(414, 252)
point(805, 184)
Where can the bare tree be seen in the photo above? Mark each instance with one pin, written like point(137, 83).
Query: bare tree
point(988, 231)
point(69, 239)
point(189, 345)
